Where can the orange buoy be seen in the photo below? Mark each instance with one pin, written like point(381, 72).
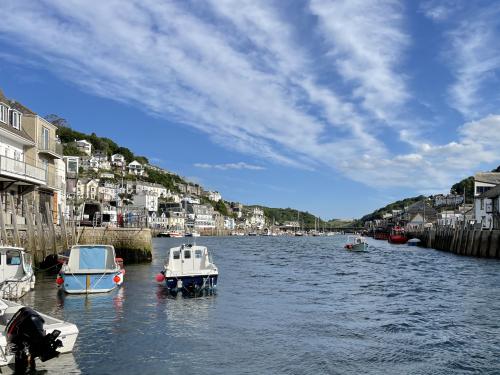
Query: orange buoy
point(59, 280)
point(117, 279)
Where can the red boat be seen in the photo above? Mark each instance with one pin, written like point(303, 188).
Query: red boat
point(397, 236)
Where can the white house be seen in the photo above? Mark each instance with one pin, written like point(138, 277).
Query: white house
point(214, 196)
point(87, 189)
point(136, 168)
point(256, 218)
point(229, 223)
point(118, 160)
point(483, 203)
point(488, 208)
point(84, 146)
point(450, 218)
point(146, 200)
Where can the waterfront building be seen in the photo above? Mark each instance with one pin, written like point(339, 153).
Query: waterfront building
point(200, 217)
point(483, 208)
point(84, 146)
point(450, 218)
point(255, 218)
point(146, 200)
point(108, 191)
point(229, 223)
point(487, 208)
point(237, 209)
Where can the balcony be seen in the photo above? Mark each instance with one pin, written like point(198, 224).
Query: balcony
point(54, 182)
point(50, 148)
point(22, 171)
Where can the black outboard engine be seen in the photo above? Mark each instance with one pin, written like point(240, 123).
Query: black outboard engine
point(26, 338)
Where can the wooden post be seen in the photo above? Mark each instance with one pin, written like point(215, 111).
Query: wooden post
point(30, 231)
point(17, 240)
point(50, 222)
point(3, 231)
point(63, 228)
point(40, 232)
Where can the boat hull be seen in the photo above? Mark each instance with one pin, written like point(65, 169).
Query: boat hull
point(191, 283)
point(397, 239)
point(90, 283)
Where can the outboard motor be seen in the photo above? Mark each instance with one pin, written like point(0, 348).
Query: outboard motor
point(27, 340)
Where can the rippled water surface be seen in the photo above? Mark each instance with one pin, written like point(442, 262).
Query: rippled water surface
point(300, 305)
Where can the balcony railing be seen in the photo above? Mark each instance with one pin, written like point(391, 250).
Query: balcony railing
point(50, 146)
point(21, 169)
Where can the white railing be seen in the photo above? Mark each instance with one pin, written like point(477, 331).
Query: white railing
point(21, 169)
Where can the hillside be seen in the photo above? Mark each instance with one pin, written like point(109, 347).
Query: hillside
point(398, 205)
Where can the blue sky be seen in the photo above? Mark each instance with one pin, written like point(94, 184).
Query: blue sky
point(335, 107)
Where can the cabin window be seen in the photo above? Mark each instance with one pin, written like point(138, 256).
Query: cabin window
point(187, 254)
point(177, 254)
point(197, 254)
point(13, 258)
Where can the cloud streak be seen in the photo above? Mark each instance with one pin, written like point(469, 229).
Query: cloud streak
point(224, 167)
point(253, 79)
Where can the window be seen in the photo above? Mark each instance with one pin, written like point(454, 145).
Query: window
point(197, 254)
point(13, 258)
point(45, 138)
point(4, 113)
point(482, 189)
point(15, 119)
point(482, 204)
point(177, 254)
point(187, 254)
point(17, 155)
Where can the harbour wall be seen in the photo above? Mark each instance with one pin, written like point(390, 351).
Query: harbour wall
point(461, 241)
point(131, 244)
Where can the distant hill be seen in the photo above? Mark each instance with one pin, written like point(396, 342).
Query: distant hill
point(466, 184)
point(398, 205)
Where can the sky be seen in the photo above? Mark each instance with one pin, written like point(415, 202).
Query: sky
point(336, 107)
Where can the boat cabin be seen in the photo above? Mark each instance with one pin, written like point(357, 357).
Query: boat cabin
point(92, 259)
point(189, 259)
point(14, 263)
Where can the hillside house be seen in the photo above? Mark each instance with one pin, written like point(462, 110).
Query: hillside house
point(135, 168)
point(84, 146)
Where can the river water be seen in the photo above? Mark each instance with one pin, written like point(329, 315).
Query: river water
point(294, 305)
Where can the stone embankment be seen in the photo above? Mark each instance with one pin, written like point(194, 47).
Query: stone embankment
point(131, 244)
point(462, 241)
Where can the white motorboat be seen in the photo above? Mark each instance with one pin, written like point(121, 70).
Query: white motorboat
point(189, 268)
point(26, 331)
point(16, 274)
point(192, 234)
point(356, 243)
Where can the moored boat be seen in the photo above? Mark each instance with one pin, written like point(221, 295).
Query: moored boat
point(413, 242)
point(189, 269)
point(16, 274)
point(356, 243)
point(26, 333)
point(91, 269)
point(192, 234)
point(397, 236)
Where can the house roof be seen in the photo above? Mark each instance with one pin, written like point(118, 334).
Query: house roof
point(420, 207)
point(21, 108)
point(488, 177)
point(492, 193)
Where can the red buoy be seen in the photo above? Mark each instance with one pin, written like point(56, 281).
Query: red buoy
point(160, 277)
point(59, 280)
point(117, 279)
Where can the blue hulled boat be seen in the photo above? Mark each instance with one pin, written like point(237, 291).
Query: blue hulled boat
point(91, 269)
point(189, 269)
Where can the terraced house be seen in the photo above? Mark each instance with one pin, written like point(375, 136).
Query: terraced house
point(31, 163)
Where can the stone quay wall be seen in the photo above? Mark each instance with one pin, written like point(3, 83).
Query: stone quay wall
point(462, 241)
point(131, 244)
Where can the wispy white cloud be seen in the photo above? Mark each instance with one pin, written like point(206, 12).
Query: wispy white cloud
point(367, 42)
point(440, 10)
point(241, 72)
point(239, 165)
point(475, 59)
